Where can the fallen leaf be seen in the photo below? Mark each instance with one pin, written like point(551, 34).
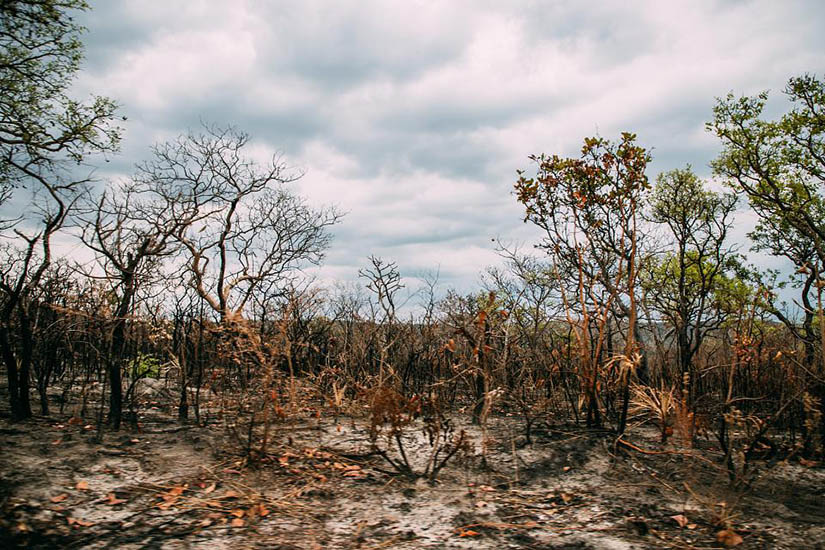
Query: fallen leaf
point(238, 512)
point(59, 498)
point(112, 500)
point(680, 519)
point(729, 538)
point(567, 468)
point(231, 494)
point(82, 485)
point(468, 533)
point(237, 522)
point(57, 442)
point(79, 522)
point(808, 463)
point(171, 496)
point(566, 498)
point(231, 471)
point(74, 420)
point(209, 489)
point(352, 468)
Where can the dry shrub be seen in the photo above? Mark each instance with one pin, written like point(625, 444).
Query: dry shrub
point(660, 404)
point(257, 400)
point(394, 421)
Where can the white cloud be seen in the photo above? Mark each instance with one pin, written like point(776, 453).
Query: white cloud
point(414, 117)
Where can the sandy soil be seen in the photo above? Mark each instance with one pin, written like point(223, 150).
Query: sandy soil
point(169, 486)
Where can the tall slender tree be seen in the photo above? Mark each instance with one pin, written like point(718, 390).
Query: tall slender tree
point(682, 284)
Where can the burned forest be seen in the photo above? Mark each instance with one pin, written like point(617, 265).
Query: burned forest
point(175, 374)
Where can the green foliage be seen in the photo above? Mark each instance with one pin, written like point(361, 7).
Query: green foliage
point(43, 132)
point(703, 303)
point(686, 285)
point(691, 212)
point(146, 366)
point(778, 164)
point(40, 53)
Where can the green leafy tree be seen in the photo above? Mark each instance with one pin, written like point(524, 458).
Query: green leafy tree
point(41, 126)
point(682, 283)
point(776, 238)
point(701, 306)
point(780, 166)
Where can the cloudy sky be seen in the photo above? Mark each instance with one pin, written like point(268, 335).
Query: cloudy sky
point(413, 117)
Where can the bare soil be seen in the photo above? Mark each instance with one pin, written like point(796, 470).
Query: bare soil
point(167, 486)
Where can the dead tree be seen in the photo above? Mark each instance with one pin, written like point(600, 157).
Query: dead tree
point(130, 233)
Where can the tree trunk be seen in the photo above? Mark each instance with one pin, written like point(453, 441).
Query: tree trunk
point(183, 405)
point(116, 357)
point(24, 374)
point(115, 375)
point(12, 372)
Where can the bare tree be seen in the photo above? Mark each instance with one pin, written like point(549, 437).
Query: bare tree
point(383, 280)
point(130, 235)
point(246, 228)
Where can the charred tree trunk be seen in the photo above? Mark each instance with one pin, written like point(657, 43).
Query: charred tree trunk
point(12, 372)
point(26, 352)
point(115, 361)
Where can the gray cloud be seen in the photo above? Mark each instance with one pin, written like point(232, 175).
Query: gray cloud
point(414, 117)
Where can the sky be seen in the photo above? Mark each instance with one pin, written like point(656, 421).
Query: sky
point(413, 117)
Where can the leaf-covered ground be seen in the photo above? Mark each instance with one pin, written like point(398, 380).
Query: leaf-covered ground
point(170, 486)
